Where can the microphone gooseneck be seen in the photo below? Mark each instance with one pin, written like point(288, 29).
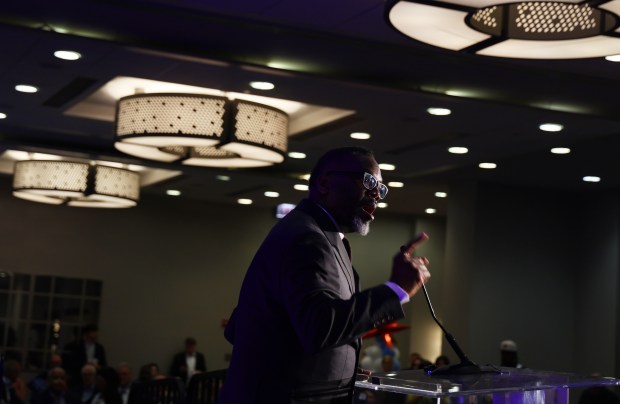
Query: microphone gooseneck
point(466, 366)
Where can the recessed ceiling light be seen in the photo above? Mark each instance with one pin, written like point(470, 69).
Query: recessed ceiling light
point(67, 55)
point(592, 178)
point(387, 167)
point(560, 150)
point(487, 166)
point(2, 115)
point(305, 177)
point(300, 187)
point(297, 155)
point(222, 177)
point(360, 135)
point(439, 111)
point(173, 192)
point(244, 201)
point(395, 184)
point(382, 205)
point(551, 127)
point(613, 58)
point(430, 211)
point(271, 194)
point(458, 150)
point(440, 194)
point(262, 85)
point(25, 88)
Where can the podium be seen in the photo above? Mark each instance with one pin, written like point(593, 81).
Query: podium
point(494, 384)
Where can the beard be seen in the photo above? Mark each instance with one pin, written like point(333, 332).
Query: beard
point(360, 226)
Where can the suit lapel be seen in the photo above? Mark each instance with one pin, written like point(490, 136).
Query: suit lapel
point(332, 233)
point(343, 259)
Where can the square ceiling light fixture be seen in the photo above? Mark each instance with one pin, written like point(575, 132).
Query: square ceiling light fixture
point(527, 30)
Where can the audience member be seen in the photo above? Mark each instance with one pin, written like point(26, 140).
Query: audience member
point(387, 364)
point(38, 383)
point(509, 356)
point(442, 360)
point(149, 372)
point(185, 364)
point(16, 390)
point(56, 391)
point(106, 387)
point(416, 361)
point(125, 379)
point(84, 391)
point(85, 350)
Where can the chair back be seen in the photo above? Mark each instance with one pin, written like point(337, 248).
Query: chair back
point(204, 388)
point(163, 391)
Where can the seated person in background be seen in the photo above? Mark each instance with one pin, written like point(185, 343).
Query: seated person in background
point(56, 390)
point(106, 387)
point(185, 364)
point(39, 382)
point(125, 381)
point(508, 351)
point(416, 361)
point(13, 382)
point(442, 360)
point(84, 391)
point(149, 372)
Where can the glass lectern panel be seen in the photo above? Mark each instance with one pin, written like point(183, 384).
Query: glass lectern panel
point(493, 384)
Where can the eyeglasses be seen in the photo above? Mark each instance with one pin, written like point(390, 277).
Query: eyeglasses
point(370, 181)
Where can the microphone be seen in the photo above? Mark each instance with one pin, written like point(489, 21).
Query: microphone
point(466, 366)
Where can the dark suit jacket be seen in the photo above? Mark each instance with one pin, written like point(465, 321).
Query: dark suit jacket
point(297, 325)
point(74, 357)
point(179, 363)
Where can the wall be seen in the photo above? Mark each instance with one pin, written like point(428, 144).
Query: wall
point(536, 266)
point(170, 267)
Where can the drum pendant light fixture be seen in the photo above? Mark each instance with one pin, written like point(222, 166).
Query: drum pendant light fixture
point(201, 130)
point(525, 29)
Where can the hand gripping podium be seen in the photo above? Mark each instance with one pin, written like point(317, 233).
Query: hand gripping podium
point(499, 384)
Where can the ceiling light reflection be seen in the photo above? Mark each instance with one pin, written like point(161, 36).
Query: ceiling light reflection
point(458, 150)
point(360, 135)
point(262, 85)
point(395, 184)
point(26, 88)
point(439, 111)
point(67, 55)
point(560, 150)
point(551, 127)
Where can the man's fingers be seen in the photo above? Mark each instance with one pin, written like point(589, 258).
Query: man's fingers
point(410, 247)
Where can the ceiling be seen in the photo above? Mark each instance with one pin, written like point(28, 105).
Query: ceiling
point(338, 54)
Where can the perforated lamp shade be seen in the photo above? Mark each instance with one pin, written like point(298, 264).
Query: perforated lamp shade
point(502, 28)
point(201, 130)
point(75, 184)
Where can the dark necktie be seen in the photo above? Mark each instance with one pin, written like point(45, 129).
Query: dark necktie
point(348, 247)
